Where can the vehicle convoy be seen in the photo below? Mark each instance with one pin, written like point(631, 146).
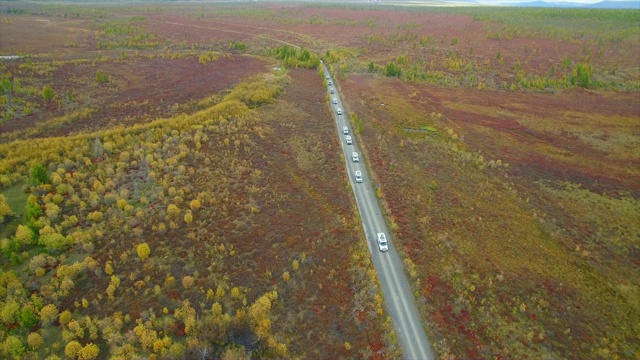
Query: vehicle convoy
point(398, 296)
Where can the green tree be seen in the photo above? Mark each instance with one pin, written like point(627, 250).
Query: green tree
point(48, 93)
point(5, 86)
point(239, 45)
point(392, 70)
point(32, 213)
point(54, 242)
point(13, 347)
point(28, 317)
point(39, 175)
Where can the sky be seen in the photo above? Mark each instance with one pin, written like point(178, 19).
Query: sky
point(549, 1)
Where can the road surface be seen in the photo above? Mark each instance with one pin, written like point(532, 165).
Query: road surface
point(398, 297)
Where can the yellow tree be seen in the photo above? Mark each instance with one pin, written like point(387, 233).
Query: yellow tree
point(9, 311)
point(172, 211)
point(188, 281)
point(259, 315)
point(220, 292)
point(24, 235)
point(34, 340)
point(89, 352)
point(5, 210)
point(235, 353)
point(194, 205)
point(48, 313)
point(143, 251)
point(108, 268)
point(65, 317)
point(72, 349)
point(188, 218)
point(188, 315)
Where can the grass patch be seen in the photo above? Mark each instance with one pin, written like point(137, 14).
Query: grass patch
point(16, 199)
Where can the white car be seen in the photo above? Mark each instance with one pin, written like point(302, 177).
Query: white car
point(334, 100)
point(327, 77)
point(349, 140)
point(382, 242)
point(339, 111)
point(345, 130)
point(355, 157)
point(329, 83)
point(358, 176)
point(333, 91)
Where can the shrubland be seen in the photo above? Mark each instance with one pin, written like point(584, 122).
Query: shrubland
point(161, 240)
point(517, 243)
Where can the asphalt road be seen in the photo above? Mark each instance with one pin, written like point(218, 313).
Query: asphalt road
point(398, 297)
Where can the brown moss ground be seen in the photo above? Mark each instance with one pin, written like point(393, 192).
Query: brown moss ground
point(139, 90)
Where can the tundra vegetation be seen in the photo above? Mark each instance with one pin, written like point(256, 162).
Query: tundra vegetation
point(171, 183)
point(133, 228)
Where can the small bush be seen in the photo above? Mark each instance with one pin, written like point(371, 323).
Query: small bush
point(48, 93)
point(188, 281)
point(101, 78)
